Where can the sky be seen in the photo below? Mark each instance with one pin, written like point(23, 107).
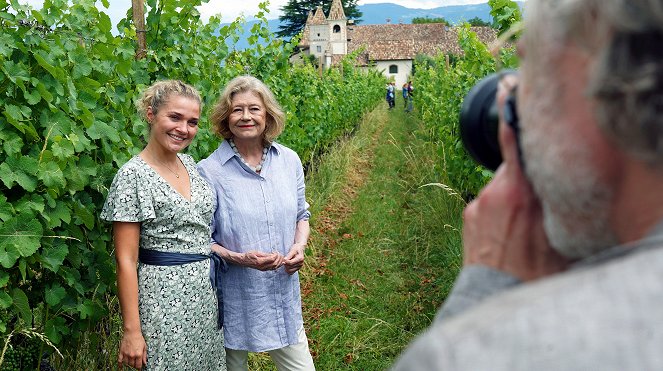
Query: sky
point(230, 10)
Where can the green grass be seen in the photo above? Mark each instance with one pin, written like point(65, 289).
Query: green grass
point(385, 248)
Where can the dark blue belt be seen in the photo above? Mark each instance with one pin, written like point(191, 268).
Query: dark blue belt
point(166, 258)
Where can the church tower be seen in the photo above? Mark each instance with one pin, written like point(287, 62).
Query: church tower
point(338, 30)
point(318, 34)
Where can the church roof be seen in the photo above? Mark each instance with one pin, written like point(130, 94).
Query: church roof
point(318, 17)
point(405, 41)
point(304, 41)
point(336, 12)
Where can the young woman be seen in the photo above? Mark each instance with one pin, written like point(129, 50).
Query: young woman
point(161, 209)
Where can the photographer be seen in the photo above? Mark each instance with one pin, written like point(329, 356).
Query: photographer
point(564, 255)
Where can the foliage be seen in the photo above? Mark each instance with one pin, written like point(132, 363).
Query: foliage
point(295, 13)
point(440, 93)
point(422, 20)
point(68, 86)
point(505, 14)
point(478, 22)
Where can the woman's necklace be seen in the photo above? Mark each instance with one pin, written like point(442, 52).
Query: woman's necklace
point(262, 159)
point(164, 164)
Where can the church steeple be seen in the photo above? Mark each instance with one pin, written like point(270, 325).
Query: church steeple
point(304, 42)
point(336, 12)
point(318, 17)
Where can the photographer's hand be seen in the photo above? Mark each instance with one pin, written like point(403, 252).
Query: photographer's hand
point(503, 226)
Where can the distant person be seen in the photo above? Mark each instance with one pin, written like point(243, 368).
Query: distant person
point(405, 95)
point(260, 227)
point(410, 97)
point(563, 256)
point(390, 95)
point(161, 208)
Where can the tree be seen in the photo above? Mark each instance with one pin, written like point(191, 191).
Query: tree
point(478, 22)
point(296, 11)
point(420, 20)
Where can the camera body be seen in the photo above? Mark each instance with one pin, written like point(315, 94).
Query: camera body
point(479, 121)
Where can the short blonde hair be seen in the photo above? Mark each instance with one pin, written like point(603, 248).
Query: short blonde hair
point(221, 111)
point(157, 94)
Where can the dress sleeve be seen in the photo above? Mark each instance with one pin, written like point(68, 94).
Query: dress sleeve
point(127, 200)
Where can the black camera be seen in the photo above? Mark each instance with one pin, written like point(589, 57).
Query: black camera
point(479, 121)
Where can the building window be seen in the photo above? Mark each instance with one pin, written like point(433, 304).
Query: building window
point(318, 48)
point(393, 68)
point(337, 28)
point(318, 34)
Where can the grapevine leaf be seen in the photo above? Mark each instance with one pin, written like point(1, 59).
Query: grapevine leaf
point(84, 215)
point(8, 255)
point(55, 294)
point(13, 112)
point(53, 256)
point(6, 209)
point(105, 23)
point(10, 176)
point(51, 175)
point(6, 44)
point(45, 94)
point(101, 129)
point(5, 300)
point(15, 71)
point(4, 278)
point(28, 204)
point(22, 265)
point(86, 309)
point(55, 328)
point(56, 215)
point(12, 145)
point(82, 66)
point(22, 305)
point(21, 234)
point(47, 66)
point(32, 97)
point(62, 149)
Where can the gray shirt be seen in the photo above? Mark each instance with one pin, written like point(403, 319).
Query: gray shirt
point(606, 313)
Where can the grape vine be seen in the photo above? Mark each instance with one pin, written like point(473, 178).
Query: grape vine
point(68, 85)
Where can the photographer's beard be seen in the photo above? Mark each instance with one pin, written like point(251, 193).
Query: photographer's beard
point(575, 199)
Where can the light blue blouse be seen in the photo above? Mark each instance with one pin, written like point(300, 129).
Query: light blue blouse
point(262, 310)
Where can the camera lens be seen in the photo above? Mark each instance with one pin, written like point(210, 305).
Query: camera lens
point(479, 122)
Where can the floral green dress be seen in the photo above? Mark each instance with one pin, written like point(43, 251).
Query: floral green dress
point(177, 304)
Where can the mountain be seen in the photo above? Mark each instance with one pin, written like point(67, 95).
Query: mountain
point(379, 13)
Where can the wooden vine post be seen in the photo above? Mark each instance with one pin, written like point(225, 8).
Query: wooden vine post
point(138, 9)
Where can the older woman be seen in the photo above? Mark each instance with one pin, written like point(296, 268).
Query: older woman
point(160, 208)
point(260, 227)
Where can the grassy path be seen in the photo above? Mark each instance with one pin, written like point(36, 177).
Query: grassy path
point(384, 249)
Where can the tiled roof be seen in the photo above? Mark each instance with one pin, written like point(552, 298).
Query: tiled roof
point(336, 12)
point(304, 41)
point(319, 16)
point(405, 41)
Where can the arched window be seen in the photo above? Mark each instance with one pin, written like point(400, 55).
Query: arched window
point(337, 28)
point(393, 68)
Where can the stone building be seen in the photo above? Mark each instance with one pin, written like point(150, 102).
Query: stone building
point(390, 48)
